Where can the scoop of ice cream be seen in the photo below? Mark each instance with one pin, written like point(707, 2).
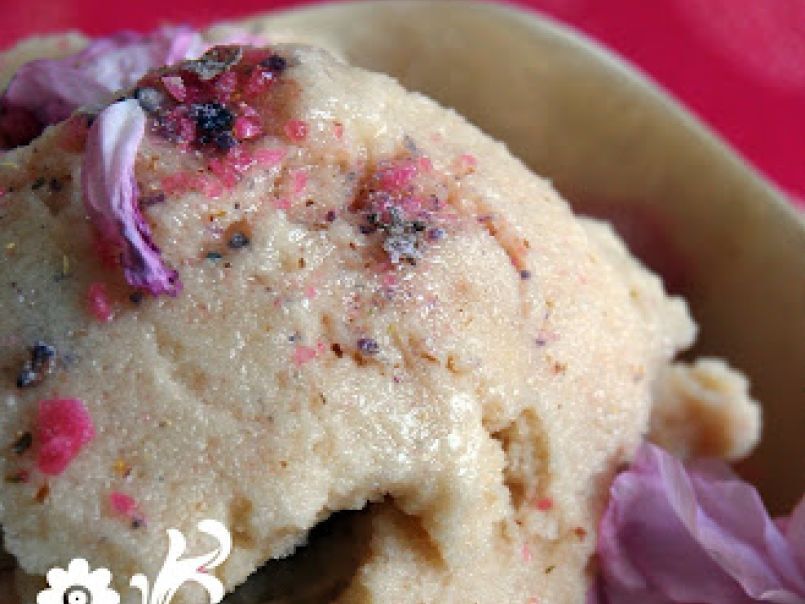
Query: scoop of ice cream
point(704, 410)
point(379, 304)
point(700, 409)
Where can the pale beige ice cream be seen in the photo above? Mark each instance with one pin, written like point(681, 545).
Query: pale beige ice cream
point(479, 376)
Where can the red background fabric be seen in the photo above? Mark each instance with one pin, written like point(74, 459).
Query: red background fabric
point(738, 64)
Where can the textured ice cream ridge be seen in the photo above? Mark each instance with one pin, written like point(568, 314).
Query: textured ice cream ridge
point(378, 304)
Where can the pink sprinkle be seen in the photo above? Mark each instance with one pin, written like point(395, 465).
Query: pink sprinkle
point(310, 292)
point(412, 203)
point(63, 427)
point(303, 354)
point(175, 183)
point(389, 279)
point(186, 131)
point(544, 504)
point(240, 159)
point(296, 130)
point(399, 176)
point(247, 110)
point(299, 181)
point(282, 203)
point(122, 504)
point(338, 130)
point(467, 161)
point(181, 182)
point(424, 164)
point(258, 80)
point(245, 128)
point(175, 87)
point(99, 304)
point(269, 157)
point(225, 172)
point(225, 85)
point(464, 164)
point(526, 553)
point(209, 186)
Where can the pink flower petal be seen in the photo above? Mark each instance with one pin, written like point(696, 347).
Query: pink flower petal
point(694, 534)
point(110, 196)
point(51, 89)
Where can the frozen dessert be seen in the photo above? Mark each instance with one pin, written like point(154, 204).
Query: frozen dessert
point(263, 287)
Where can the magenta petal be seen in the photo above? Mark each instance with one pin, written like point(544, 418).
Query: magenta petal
point(795, 534)
point(51, 89)
point(693, 535)
point(110, 196)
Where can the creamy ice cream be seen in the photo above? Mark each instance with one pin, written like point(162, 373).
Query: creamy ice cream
point(311, 291)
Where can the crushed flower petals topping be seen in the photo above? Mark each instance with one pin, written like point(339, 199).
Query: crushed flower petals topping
point(216, 110)
point(402, 201)
point(63, 427)
point(110, 197)
point(204, 103)
point(47, 91)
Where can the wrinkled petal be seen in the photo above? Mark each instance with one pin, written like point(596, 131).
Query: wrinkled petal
point(794, 531)
point(110, 196)
point(49, 90)
point(55, 87)
point(694, 534)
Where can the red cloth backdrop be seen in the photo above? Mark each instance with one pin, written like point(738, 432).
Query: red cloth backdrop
point(739, 64)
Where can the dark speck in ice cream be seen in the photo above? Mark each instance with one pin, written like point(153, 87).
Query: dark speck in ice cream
point(368, 346)
point(150, 99)
point(23, 443)
point(238, 240)
point(35, 369)
point(275, 63)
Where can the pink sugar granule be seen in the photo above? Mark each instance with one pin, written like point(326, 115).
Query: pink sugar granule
point(63, 427)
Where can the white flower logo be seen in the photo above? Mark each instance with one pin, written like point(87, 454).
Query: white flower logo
point(176, 572)
point(77, 585)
